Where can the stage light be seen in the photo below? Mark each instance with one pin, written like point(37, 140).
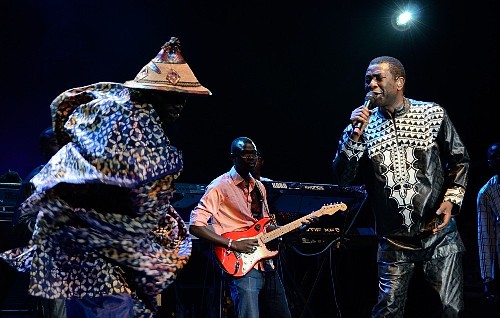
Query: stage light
point(405, 16)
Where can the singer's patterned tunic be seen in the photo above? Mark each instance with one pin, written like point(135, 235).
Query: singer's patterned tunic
point(416, 161)
point(105, 224)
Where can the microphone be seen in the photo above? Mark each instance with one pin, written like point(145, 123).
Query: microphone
point(368, 104)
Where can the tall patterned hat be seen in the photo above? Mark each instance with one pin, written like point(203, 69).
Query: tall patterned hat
point(168, 72)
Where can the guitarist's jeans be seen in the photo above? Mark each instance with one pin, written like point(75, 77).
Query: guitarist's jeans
point(256, 290)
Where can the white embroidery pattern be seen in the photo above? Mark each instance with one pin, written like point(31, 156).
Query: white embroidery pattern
point(400, 176)
point(416, 129)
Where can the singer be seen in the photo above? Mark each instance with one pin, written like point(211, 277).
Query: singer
point(403, 139)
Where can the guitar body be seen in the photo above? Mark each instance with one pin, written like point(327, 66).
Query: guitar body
point(236, 263)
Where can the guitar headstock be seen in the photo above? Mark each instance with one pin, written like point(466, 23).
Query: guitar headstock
point(332, 208)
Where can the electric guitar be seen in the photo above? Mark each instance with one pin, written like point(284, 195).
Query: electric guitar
point(238, 264)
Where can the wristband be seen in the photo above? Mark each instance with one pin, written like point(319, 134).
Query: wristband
point(229, 244)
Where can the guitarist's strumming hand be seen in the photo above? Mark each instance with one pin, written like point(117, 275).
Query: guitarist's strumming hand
point(245, 245)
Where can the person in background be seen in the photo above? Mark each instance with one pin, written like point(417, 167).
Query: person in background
point(488, 226)
point(235, 201)
point(10, 176)
point(415, 167)
point(106, 238)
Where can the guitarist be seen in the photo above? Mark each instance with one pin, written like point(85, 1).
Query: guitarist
point(235, 201)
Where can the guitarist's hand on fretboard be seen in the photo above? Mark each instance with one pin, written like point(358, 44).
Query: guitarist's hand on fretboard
point(305, 224)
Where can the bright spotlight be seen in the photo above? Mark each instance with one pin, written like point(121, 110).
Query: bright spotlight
point(405, 17)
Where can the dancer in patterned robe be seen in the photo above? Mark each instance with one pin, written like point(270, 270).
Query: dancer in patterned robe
point(107, 238)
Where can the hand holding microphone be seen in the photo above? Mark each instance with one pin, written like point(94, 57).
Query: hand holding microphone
point(368, 105)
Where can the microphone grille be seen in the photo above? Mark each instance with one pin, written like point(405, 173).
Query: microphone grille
point(370, 96)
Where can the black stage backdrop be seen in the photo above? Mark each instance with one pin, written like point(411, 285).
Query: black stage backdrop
point(286, 75)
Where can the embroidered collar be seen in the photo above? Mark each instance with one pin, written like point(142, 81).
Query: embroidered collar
point(403, 109)
point(400, 111)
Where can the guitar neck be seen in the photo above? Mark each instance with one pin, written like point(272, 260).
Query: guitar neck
point(282, 230)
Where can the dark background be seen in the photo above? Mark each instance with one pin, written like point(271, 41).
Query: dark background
point(285, 74)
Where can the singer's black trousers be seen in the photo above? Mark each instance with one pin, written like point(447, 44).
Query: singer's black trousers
point(394, 280)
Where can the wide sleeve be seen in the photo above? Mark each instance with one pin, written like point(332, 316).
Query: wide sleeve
point(456, 163)
point(346, 160)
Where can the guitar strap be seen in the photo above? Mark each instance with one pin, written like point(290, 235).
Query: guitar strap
point(263, 205)
point(257, 202)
